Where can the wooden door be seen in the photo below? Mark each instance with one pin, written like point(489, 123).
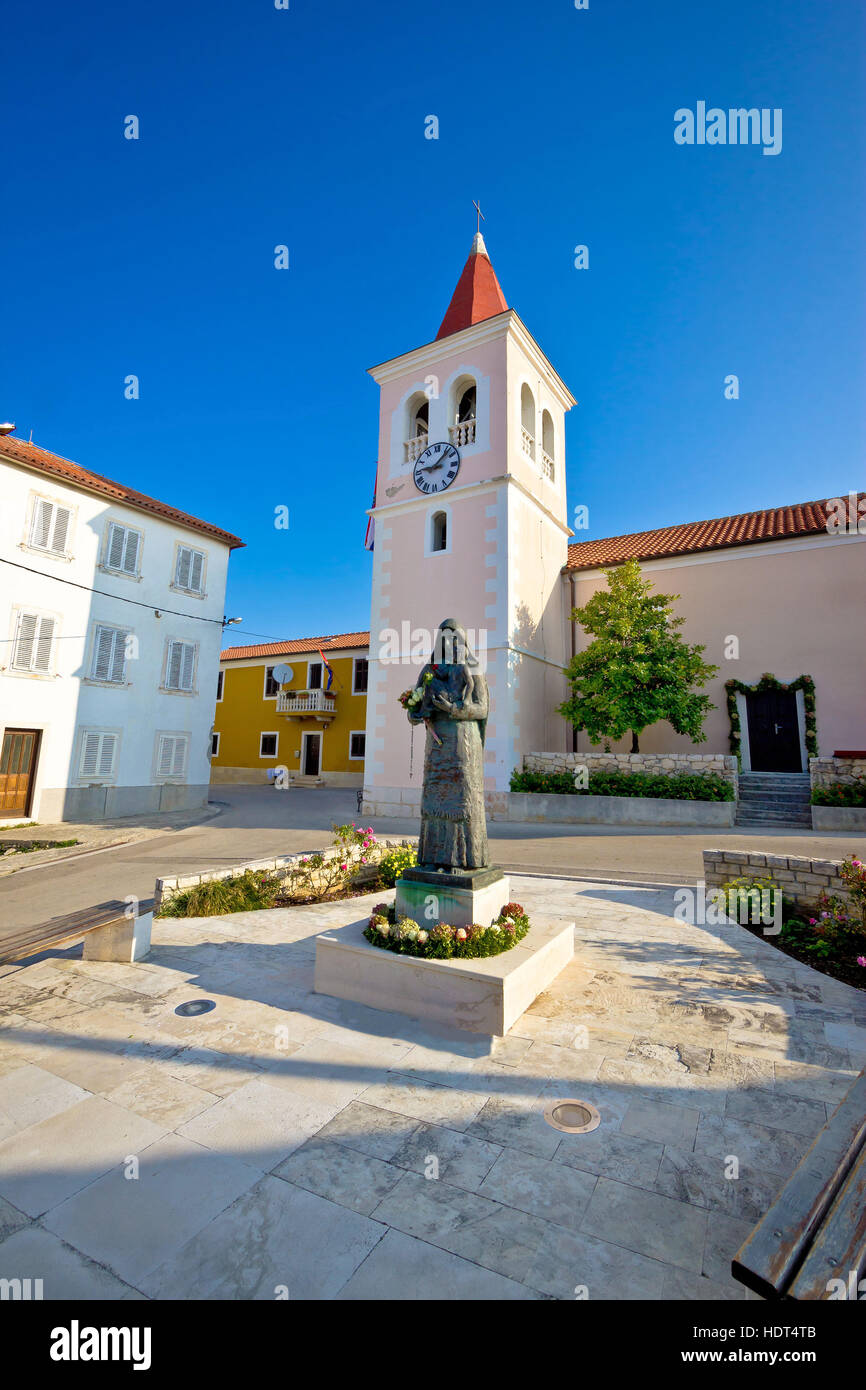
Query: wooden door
point(18, 771)
point(774, 734)
point(312, 754)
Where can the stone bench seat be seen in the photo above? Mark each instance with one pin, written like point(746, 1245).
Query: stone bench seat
point(108, 931)
point(814, 1234)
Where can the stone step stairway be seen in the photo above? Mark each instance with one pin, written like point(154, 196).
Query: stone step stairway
point(775, 799)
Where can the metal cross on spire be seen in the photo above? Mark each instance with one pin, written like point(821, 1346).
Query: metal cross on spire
point(481, 217)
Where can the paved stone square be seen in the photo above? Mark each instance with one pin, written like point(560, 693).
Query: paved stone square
point(287, 1140)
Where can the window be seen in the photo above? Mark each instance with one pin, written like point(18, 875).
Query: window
point(547, 445)
point(98, 754)
point(360, 672)
point(171, 755)
point(466, 406)
point(122, 548)
point(314, 675)
point(108, 662)
point(268, 745)
point(527, 420)
point(417, 425)
point(272, 687)
point(31, 649)
point(180, 666)
point(439, 531)
point(220, 682)
point(214, 745)
point(357, 745)
point(189, 569)
point(49, 528)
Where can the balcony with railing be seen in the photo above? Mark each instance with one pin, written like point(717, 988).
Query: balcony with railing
point(415, 447)
point(528, 443)
point(462, 434)
point(547, 465)
point(307, 704)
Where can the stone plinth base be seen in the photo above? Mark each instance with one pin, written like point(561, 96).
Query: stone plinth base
point(430, 896)
point(481, 996)
point(126, 940)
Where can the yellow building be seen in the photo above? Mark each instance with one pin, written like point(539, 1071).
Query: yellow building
point(313, 723)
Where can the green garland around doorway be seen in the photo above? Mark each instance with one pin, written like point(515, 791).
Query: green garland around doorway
point(769, 682)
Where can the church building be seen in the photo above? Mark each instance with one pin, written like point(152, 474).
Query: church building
point(471, 522)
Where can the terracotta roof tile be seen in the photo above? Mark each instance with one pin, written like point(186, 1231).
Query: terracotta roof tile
point(747, 528)
point(297, 645)
point(32, 456)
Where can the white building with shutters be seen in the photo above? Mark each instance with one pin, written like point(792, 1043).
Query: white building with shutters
point(111, 609)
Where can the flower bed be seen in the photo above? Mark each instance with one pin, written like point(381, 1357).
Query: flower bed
point(829, 935)
point(684, 786)
point(444, 942)
point(841, 794)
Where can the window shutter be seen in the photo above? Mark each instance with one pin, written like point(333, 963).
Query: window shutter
point(196, 571)
point(179, 757)
point(40, 530)
point(188, 661)
point(130, 558)
point(116, 537)
point(106, 754)
point(25, 637)
point(165, 756)
point(89, 755)
point(42, 660)
point(103, 649)
point(118, 657)
point(62, 517)
point(175, 658)
point(184, 558)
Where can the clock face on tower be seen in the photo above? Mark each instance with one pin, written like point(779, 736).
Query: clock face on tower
point(436, 468)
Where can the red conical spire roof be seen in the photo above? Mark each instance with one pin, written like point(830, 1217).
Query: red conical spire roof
point(478, 295)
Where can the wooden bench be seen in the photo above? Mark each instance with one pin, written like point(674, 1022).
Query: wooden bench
point(109, 932)
point(815, 1231)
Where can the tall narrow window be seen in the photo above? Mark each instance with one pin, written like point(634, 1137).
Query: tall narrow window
point(527, 420)
point(189, 569)
point(31, 650)
point(547, 444)
point(122, 548)
point(272, 687)
point(439, 531)
point(360, 675)
point(221, 675)
point(109, 655)
point(49, 529)
point(314, 681)
point(180, 666)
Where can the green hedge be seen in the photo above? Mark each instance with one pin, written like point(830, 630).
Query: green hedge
point(841, 794)
point(681, 786)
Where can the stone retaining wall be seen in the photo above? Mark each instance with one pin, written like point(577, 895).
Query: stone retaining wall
point(824, 772)
point(803, 880)
point(665, 764)
point(282, 864)
point(558, 808)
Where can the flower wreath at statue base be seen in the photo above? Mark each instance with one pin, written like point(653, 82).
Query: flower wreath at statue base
point(444, 942)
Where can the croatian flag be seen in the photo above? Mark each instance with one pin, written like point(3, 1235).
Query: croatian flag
point(327, 665)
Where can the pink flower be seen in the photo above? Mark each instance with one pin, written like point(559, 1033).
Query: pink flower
point(343, 868)
point(861, 960)
point(813, 922)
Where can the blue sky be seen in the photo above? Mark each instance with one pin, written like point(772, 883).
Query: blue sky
point(306, 127)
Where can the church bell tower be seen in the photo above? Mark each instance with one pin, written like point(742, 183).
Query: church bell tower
point(470, 522)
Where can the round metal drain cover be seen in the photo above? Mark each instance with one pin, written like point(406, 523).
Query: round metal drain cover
point(572, 1116)
point(195, 1006)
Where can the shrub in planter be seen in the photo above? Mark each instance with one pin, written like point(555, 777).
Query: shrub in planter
point(681, 786)
point(249, 891)
point(393, 863)
point(841, 794)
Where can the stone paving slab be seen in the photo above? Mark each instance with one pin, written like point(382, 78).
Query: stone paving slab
point(287, 1140)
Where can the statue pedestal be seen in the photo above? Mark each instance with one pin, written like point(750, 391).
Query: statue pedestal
point(430, 896)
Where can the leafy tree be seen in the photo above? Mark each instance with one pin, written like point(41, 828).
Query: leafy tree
point(638, 669)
